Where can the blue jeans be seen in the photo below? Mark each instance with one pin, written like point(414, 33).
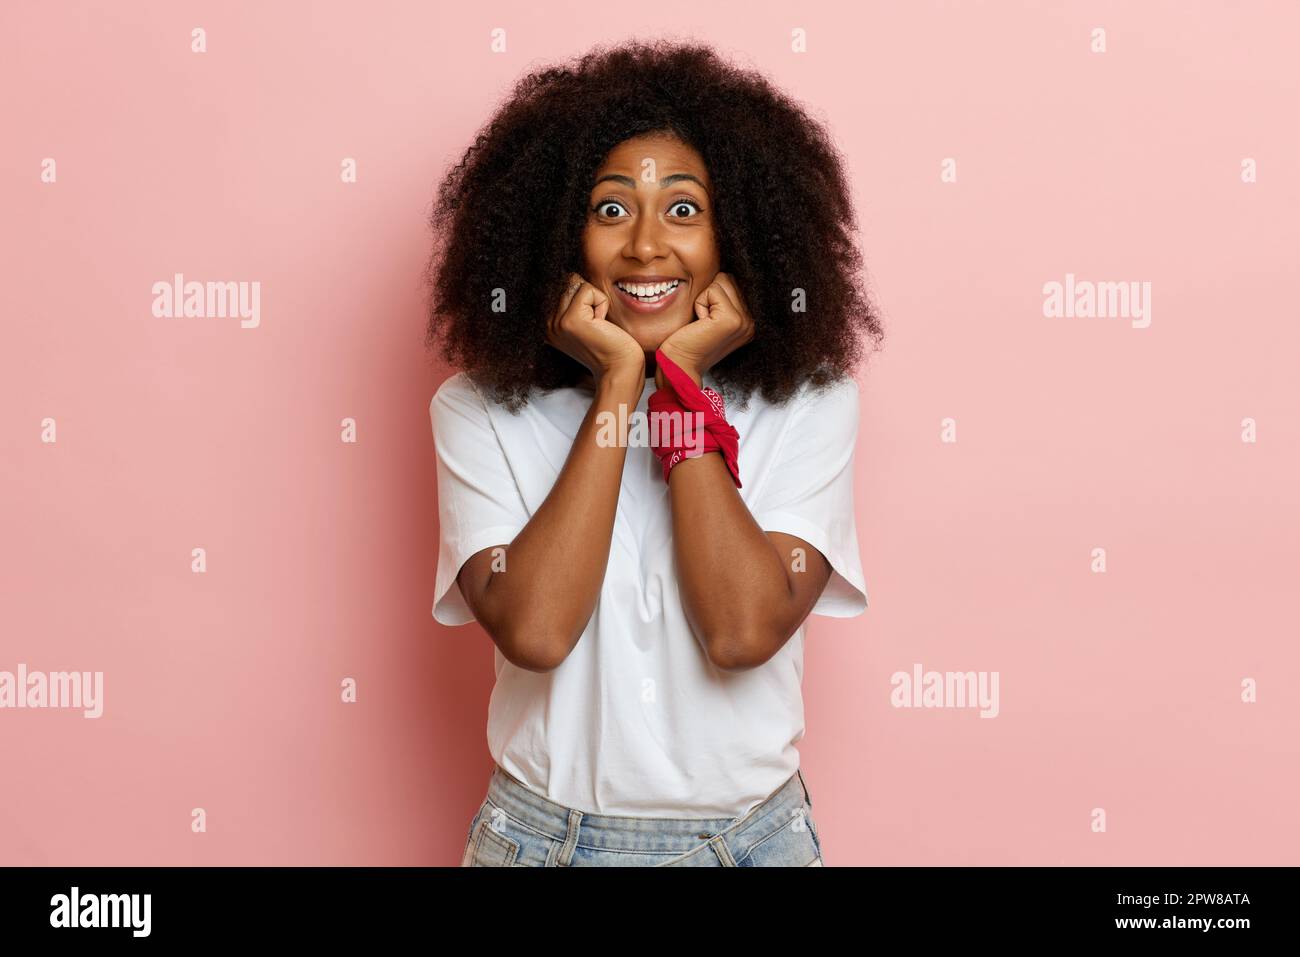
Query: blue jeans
point(516, 827)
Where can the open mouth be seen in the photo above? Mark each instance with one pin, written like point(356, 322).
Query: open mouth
point(647, 296)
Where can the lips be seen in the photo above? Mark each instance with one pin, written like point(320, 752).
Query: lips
point(648, 293)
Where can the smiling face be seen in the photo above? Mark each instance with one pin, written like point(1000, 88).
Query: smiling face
point(649, 242)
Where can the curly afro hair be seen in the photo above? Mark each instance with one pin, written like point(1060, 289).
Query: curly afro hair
point(510, 216)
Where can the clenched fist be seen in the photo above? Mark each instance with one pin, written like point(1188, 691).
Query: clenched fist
point(722, 324)
point(579, 329)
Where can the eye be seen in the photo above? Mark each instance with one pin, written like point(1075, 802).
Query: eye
point(604, 208)
point(675, 210)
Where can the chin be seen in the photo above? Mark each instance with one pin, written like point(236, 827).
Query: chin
point(650, 334)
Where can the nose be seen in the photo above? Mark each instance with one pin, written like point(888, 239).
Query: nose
point(646, 242)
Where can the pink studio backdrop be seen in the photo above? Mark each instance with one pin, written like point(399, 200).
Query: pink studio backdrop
point(1119, 691)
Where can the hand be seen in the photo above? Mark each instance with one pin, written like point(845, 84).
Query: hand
point(579, 329)
point(721, 326)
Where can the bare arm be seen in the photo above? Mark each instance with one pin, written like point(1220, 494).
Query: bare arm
point(536, 607)
point(536, 596)
point(743, 591)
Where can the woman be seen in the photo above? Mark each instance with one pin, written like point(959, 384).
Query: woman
point(648, 212)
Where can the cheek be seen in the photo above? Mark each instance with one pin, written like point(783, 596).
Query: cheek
point(596, 253)
point(700, 255)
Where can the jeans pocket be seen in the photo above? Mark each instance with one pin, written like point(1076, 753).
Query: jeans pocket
point(790, 844)
point(469, 834)
point(488, 846)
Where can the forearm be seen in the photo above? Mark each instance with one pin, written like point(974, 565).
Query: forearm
point(733, 582)
point(541, 601)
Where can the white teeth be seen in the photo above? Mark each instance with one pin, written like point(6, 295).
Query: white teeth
point(649, 292)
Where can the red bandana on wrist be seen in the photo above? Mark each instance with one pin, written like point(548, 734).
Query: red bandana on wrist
point(682, 396)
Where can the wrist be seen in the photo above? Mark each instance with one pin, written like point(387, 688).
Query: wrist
point(681, 363)
point(623, 380)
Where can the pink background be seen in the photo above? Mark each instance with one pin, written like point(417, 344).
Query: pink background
point(1118, 691)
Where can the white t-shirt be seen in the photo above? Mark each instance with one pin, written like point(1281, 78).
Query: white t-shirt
point(636, 720)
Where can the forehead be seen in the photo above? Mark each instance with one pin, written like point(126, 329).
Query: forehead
point(669, 154)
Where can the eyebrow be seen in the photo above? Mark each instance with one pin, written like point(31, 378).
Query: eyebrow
point(664, 183)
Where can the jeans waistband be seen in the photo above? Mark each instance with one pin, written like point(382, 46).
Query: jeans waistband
point(624, 833)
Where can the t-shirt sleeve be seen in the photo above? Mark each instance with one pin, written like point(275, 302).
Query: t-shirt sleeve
point(809, 492)
point(479, 504)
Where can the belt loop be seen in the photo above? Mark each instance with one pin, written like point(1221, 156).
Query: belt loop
point(571, 839)
point(720, 848)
